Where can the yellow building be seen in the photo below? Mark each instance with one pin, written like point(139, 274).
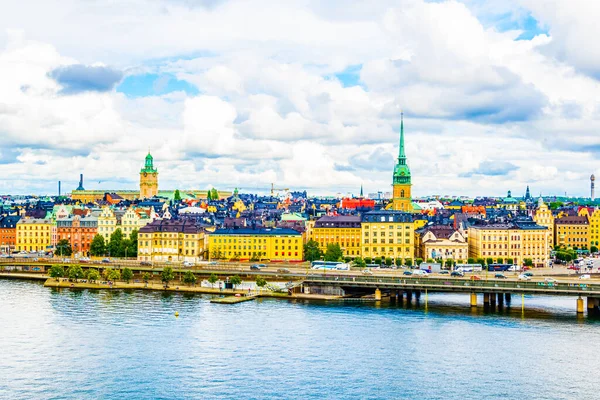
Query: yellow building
point(135, 218)
point(35, 234)
point(519, 240)
point(441, 242)
point(387, 234)
point(275, 244)
point(543, 216)
point(594, 228)
point(572, 232)
point(401, 192)
point(167, 240)
point(148, 179)
point(343, 230)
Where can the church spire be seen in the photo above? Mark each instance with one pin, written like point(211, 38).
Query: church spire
point(361, 191)
point(401, 153)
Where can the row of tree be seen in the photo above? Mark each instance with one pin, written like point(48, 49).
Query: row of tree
point(118, 245)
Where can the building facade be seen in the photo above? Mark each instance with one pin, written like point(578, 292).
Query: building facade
point(135, 219)
point(79, 231)
point(171, 240)
point(35, 234)
point(8, 233)
point(401, 192)
point(543, 216)
point(275, 244)
point(516, 241)
point(387, 234)
point(594, 228)
point(343, 230)
point(572, 231)
point(148, 179)
point(441, 242)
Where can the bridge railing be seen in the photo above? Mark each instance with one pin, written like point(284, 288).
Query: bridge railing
point(467, 285)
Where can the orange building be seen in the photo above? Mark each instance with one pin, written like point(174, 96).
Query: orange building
point(353, 204)
point(473, 210)
point(79, 231)
point(8, 233)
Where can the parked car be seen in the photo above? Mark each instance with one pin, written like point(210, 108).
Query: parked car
point(475, 278)
point(188, 264)
point(367, 271)
point(550, 280)
point(500, 276)
point(524, 277)
point(84, 259)
point(407, 272)
point(255, 267)
point(283, 271)
point(421, 272)
point(514, 268)
point(585, 276)
point(106, 260)
point(444, 272)
point(457, 273)
point(146, 263)
point(529, 274)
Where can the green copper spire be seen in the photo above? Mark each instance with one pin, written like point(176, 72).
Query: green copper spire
point(149, 164)
point(401, 171)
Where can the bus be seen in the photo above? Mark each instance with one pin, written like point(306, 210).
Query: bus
point(330, 265)
point(468, 267)
point(499, 267)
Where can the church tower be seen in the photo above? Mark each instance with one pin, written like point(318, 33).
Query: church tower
point(148, 179)
point(401, 198)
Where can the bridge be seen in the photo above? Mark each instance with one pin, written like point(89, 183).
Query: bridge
point(493, 290)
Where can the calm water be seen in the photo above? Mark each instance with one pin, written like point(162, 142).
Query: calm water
point(128, 345)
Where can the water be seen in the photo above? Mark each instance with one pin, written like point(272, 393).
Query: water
point(71, 344)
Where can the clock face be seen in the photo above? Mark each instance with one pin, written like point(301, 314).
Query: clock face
point(145, 174)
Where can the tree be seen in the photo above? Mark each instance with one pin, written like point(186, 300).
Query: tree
point(235, 281)
point(418, 261)
point(368, 260)
point(167, 275)
point(177, 195)
point(500, 260)
point(359, 262)
point(75, 272)
point(57, 271)
point(408, 262)
point(212, 279)
point(133, 240)
point(489, 261)
point(430, 260)
point(470, 260)
point(216, 254)
point(214, 194)
point(510, 261)
point(113, 275)
point(126, 249)
point(189, 278)
point(98, 247)
point(481, 261)
point(347, 259)
point(333, 252)
point(146, 277)
point(127, 274)
point(312, 251)
point(593, 249)
point(93, 275)
point(377, 260)
point(398, 262)
point(528, 262)
point(261, 282)
point(389, 261)
point(63, 248)
point(449, 263)
point(114, 245)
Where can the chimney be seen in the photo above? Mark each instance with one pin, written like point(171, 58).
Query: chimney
point(58, 188)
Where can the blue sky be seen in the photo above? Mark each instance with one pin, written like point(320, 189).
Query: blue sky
point(497, 95)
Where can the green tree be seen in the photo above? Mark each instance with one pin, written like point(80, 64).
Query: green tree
point(359, 262)
point(216, 254)
point(408, 262)
point(93, 275)
point(347, 259)
point(133, 240)
point(114, 245)
point(126, 249)
point(167, 275)
point(430, 260)
point(449, 263)
point(333, 252)
point(261, 282)
point(368, 260)
point(489, 261)
point(235, 281)
point(177, 195)
point(510, 261)
point(63, 248)
point(594, 249)
point(500, 260)
point(528, 262)
point(57, 271)
point(113, 275)
point(146, 277)
point(97, 247)
point(127, 274)
point(75, 272)
point(214, 194)
point(480, 261)
point(312, 251)
point(398, 262)
point(389, 261)
point(377, 260)
point(470, 260)
point(212, 279)
point(189, 278)
point(418, 261)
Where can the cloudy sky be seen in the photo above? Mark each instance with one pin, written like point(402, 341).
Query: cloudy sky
point(306, 94)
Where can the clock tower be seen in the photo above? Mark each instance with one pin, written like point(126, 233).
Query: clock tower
point(401, 197)
point(148, 179)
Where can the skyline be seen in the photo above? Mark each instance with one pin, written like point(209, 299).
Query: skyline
point(496, 95)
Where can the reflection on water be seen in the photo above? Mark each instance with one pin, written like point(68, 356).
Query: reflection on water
point(76, 344)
